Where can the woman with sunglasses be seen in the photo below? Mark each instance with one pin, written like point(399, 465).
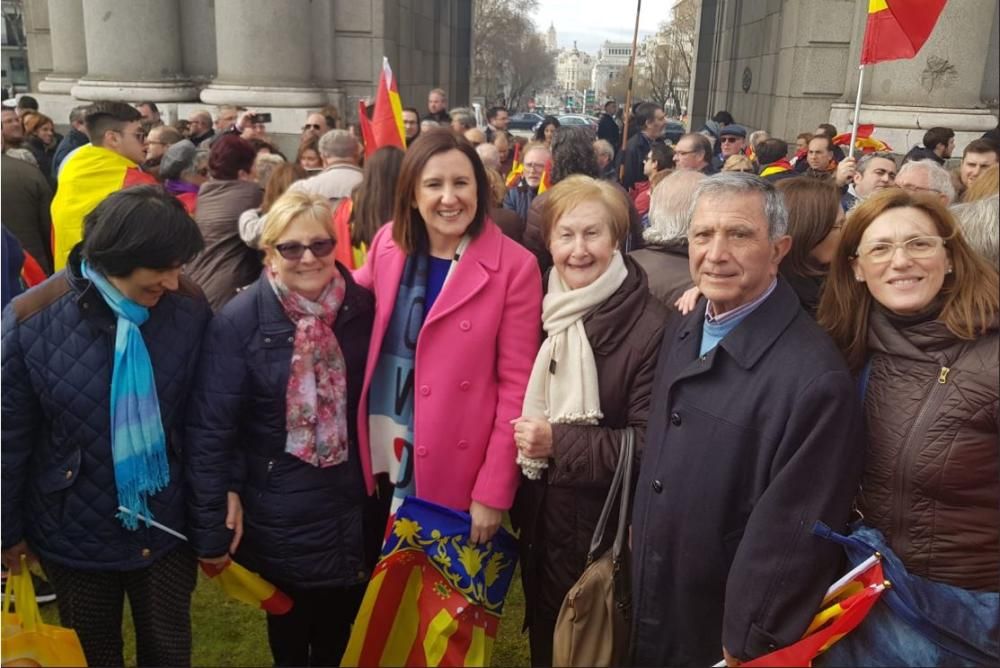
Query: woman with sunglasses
point(273, 420)
point(915, 311)
point(458, 306)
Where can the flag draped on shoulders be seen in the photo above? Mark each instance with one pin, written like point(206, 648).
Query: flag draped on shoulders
point(89, 175)
point(898, 28)
point(435, 598)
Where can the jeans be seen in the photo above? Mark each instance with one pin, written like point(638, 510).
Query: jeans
point(925, 623)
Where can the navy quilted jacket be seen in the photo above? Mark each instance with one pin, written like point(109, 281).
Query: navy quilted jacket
point(302, 525)
point(58, 476)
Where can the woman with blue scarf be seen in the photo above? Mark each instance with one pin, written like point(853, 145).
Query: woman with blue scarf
point(97, 365)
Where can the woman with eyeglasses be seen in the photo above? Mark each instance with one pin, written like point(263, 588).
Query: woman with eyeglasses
point(273, 420)
point(915, 311)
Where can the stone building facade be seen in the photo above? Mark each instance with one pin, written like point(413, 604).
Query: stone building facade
point(612, 59)
point(281, 56)
point(788, 65)
point(572, 67)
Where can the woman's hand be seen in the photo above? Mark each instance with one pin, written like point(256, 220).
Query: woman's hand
point(234, 519)
point(485, 522)
point(687, 301)
point(11, 557)
point(533, 437)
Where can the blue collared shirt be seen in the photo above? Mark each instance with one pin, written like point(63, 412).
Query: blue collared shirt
point(716, 327)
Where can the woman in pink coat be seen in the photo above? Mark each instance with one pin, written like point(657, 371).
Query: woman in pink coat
point(457, 313)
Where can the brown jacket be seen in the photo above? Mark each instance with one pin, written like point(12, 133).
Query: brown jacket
point(668, 270)
point(227, 263)
point(932, 476)
point(557, 514)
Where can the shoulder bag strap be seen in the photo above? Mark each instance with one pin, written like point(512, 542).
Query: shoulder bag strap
point(609, 502)
point(628, 450)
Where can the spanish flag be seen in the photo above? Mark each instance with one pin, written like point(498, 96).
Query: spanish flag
point(248, 587)
point(88, 175)
point(864, 142)
point(387, 123)
point(898, 28)
point(546, 181)
point(435, 599)
point(516, 168)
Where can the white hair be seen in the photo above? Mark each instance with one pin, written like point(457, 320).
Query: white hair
point(490, 156)
point(978, 222)
point(338, 144)
point(937, 176)
point(670, 207)
point(741, 183)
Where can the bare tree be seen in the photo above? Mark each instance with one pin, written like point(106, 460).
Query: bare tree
point(510, 60)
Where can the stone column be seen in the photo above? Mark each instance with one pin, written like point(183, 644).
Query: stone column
point(69, 51)
point(133, 52)
point(264, 53)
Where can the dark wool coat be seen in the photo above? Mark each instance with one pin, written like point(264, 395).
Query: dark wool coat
point(58, 473)
point(558, 513)
point(302, 524)
point(748, 446)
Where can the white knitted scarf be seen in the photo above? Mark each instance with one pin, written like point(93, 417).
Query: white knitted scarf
point(563, 386)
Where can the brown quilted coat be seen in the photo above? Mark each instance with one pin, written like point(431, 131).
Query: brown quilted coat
point(932, 476)
point(557, 514)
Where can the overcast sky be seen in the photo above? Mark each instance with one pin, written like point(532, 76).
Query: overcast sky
point(590, 22)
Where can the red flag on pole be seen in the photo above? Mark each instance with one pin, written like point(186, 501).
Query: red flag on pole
point(898, 28)
point(367, 134)
point(387, 123)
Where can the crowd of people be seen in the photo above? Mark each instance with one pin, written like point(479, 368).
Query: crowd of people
point(269, 355)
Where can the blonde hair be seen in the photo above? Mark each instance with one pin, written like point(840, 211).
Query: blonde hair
point(987, 185)
point(577, 189)
point(738, 163)
point(290, 207)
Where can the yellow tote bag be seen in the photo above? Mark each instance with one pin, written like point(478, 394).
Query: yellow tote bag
point(27, 641)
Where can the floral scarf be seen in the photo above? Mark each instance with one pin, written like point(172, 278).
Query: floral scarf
point(316, 398)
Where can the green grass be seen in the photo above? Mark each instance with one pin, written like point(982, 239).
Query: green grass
point(229, 633)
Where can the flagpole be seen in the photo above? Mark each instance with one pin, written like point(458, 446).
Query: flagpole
point(628, 91)
point(857, 110)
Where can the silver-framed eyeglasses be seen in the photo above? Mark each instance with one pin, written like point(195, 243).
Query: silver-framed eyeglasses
point(917, 248)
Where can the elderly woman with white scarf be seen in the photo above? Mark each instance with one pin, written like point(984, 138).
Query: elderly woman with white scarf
point(592, 379)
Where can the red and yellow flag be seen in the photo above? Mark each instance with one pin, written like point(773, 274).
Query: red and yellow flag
point(898, 28)
point(250, 588)
point(864, 142)
point(435, 598)
point(88, 175)
point(387, 122)
point(546, 181)
point(516, 168)
point(842, 612)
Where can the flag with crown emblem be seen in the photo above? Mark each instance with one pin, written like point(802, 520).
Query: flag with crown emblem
point(435, 598)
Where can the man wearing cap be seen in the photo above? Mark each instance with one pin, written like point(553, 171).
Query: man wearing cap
point(732, 141)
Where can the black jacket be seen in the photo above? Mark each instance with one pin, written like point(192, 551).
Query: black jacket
point(748, 447)
point(636, 151)
point(608, 130)
point(72, 141)
point(58, 474)
point(302, 524)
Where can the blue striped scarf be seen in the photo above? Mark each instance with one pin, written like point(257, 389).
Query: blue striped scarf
point(138, 445)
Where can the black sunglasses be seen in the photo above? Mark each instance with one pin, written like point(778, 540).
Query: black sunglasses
point(293, 250)
point(311, 126)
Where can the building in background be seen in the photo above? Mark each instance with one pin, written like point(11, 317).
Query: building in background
point(15, 53)
point(612, 60)
point(788, 65)
point(279, 57)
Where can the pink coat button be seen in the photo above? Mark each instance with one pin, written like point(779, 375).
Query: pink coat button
point(465, 325)
point(465, 385)
point(462, 445)
point(421, 451)
point(425, 390)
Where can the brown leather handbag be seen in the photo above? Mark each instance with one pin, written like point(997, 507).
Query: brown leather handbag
point(593, 624)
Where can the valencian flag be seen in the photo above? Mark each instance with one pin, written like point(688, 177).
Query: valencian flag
point(516, 168)
point(387, 122)
point(248, 587)
point(898, 28)
point(864, 141)
point(435, 599)
point(87, 176)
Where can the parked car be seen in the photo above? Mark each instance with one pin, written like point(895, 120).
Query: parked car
point(577, 120)
point(525, 120)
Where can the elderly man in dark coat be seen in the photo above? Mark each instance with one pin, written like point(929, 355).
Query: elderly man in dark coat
point(756, 436)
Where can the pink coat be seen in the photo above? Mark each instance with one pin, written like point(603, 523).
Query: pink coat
point(474, 355)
